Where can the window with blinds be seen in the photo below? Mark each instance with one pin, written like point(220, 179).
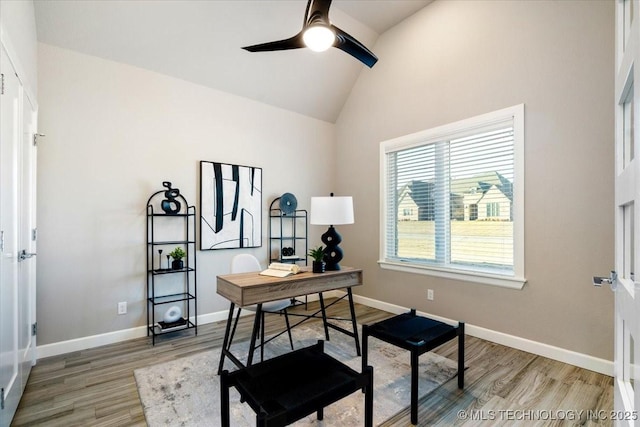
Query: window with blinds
point(452, 198)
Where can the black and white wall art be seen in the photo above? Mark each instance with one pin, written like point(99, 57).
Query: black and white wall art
point(230, 206)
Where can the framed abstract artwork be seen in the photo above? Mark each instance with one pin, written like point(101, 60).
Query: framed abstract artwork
point(230, 206)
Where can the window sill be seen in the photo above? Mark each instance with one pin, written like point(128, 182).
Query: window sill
point(476, 277)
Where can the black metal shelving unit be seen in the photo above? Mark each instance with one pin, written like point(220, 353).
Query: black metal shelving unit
point(165, 285)
point(287, 231)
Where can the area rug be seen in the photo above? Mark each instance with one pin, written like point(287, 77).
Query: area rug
point(185, 392)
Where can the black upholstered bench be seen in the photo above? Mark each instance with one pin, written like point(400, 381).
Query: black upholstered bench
point(418, 335)
point(287, 388)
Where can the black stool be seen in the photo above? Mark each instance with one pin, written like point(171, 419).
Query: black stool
point(418, 335)
point(287, 388)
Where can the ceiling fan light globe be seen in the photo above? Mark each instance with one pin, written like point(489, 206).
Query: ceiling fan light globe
point(318, 38)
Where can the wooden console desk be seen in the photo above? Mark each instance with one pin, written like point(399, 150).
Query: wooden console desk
point(244, 289)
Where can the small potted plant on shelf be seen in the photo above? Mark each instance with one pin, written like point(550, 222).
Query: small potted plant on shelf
point(318, 259)
point(177, 254)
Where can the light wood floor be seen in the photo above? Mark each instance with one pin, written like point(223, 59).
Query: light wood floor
point(503, 386)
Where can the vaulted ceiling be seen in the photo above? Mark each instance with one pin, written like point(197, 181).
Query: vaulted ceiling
point(200, 41)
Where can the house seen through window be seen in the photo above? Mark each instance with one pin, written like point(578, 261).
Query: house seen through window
point(452, 199)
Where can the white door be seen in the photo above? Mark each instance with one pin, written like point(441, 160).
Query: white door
point(17, 216)
point(27, 233)
point(627, 234)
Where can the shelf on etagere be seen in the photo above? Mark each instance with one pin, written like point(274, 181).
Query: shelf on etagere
point(158, 329)
point(172, 215)
point(170, 270)
point(166, 299)
point(287, 238)
point(173, 242)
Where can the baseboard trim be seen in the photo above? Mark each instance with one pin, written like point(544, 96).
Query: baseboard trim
point(556, 353)
point(580, 360)
point(79, 344)
point(84, 343)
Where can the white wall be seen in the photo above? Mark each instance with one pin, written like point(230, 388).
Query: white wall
point(458, 59)
point(114, 134)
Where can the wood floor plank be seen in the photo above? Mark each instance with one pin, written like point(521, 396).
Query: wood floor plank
point(96, 387)
point(125, 402)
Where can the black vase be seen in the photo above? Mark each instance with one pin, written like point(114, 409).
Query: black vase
point(177, 264)
point(318, 266)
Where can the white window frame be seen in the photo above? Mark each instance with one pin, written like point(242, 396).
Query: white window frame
point(513, 281)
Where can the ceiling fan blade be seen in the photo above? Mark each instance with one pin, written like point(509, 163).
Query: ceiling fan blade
point(353, 47)
point(294, 42)
point(317, 11)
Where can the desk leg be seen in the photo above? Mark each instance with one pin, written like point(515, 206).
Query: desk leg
point(262, 336)
point(225, 341)
point(354, 323)
point(254, 333)
point(324, 316)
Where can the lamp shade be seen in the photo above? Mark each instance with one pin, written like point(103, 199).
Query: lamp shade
point(331, 210)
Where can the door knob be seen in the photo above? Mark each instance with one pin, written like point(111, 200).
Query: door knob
point(23, 254)
point(612, 280)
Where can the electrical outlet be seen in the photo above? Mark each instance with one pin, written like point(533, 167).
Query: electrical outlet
point(122, 307)
point(430, 294)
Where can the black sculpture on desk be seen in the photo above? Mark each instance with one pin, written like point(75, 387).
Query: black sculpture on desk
point(170, 205)
point(333, 252)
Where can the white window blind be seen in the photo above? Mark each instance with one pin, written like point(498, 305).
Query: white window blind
point(450, 199)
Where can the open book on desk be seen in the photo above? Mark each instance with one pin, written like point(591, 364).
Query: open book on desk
point(279, 269)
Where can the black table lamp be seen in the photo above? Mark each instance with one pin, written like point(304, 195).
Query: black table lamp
point(332, 211)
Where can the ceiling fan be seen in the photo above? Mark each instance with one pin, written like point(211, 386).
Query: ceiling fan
point(319, 34)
